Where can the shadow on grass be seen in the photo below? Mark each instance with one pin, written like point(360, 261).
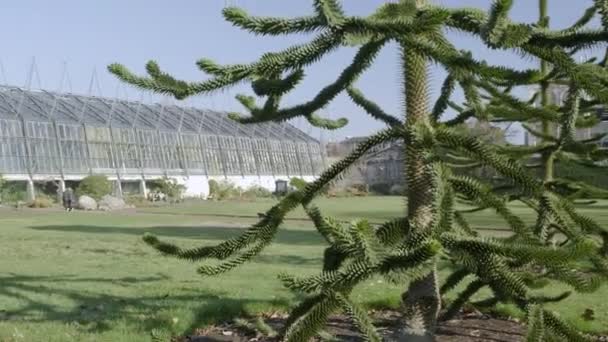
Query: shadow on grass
point(274, 259)
point(377, 215)
point(285, 236)
point(231, 216)
point(289, 260)
point(98, 312)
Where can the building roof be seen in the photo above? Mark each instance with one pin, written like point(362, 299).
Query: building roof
point(42, 105)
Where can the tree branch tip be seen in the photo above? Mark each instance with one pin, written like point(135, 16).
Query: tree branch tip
point(150, 239)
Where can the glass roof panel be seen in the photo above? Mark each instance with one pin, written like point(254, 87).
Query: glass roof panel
point(38, 105)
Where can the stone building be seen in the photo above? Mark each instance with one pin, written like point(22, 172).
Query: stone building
point(382, 166)
point(557, 95)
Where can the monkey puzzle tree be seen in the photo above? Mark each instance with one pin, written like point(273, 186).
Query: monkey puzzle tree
point(544, 116)
point(407, 250)
point(557, 135)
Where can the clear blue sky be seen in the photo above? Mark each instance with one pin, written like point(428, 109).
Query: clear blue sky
point(92, 34)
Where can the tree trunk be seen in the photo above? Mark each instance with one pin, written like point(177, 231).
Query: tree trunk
point(422, 301)
point(548, 128)
point(548, 157)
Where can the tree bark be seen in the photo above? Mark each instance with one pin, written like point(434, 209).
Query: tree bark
point(548, 128)
point(422, 301)
point(547, 158)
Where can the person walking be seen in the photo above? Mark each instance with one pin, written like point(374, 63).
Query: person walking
point(68, 199)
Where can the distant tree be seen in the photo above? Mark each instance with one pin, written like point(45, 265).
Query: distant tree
point(407, 250)
point(594, 179)
point(485, 132)
point(214, 188)
point(298, 183)
point(170, 187)
point(2, 183)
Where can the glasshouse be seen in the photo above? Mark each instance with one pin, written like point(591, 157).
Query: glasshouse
point(47, 136)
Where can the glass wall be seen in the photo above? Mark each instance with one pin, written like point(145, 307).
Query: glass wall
point(318, 161)
point(73, 148)
point(152, 156)
point(291, 159)
point(232, 159)
point(12, 147)
point(213, 155)
point(101, 156)
point(262, 152)
point(80, 149)
point(49, 133)
point(126, 149)
point(278, 158)
point(192, 153)
point(303, 155)
point(169, 142)
point(44, 157)
point(248, 158)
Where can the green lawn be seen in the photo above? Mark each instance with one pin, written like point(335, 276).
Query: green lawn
point(88, 276)
point(374, 208)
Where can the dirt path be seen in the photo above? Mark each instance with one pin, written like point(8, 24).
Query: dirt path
point(477, 328)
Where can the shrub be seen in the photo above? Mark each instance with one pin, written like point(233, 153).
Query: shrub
point(256, 191)
point(95, 186)
point(359, 187)
point(224, 190)
point(381, 189)
point(397, 190)
point(214, 188)
point(138, 201)
point(572, 171)
point(12, 192)
point(170, 187)
point(48, 188)
point(339, 193)
point(298, 183)
point(41, 201)
point(2, 183)
point(357, 190)
point(354, 190)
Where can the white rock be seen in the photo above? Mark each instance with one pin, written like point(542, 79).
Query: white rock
point(109, 203)
point(87, 203)
point(397, 190)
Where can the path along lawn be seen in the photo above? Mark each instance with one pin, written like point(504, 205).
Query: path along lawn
point(88, 277)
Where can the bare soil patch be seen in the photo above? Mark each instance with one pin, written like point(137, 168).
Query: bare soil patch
point(470, 327)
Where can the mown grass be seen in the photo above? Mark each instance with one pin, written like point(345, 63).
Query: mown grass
point(88, 276)
point(374, 208)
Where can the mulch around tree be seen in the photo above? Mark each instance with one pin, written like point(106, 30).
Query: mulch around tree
point(469, 327)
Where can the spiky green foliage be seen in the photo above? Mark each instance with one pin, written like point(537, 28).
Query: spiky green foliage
point(409, 248)
point(536, 324)
point(372, 108)
point(552, 123)
point(361, 319)
point(443, 101)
